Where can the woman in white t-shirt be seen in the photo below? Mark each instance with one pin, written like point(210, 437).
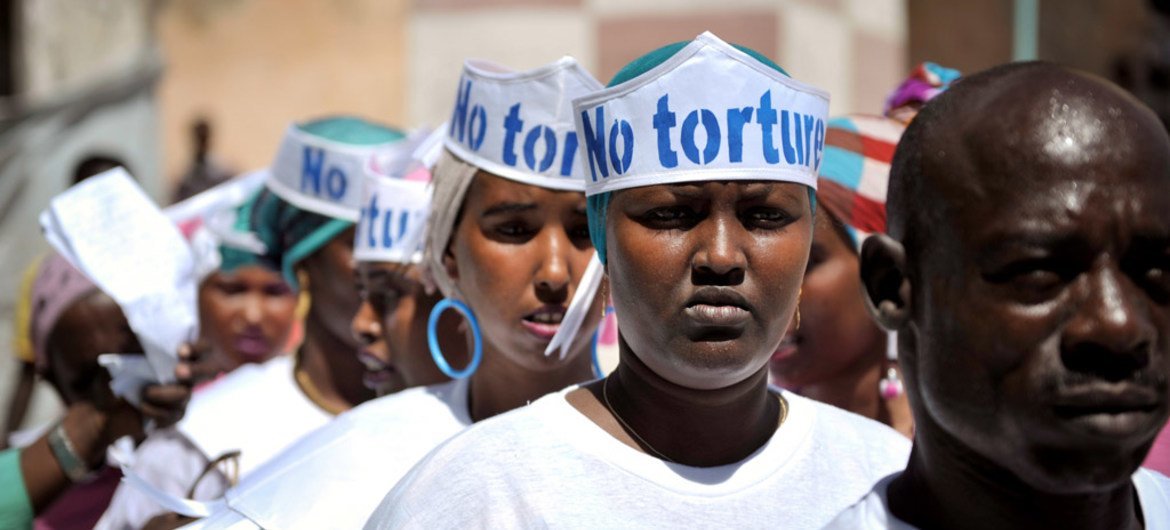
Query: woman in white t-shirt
point(705, 240)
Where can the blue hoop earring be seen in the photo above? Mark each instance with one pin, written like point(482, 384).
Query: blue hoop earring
point(433, 339)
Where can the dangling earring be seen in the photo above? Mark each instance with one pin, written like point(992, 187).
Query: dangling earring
point(433, 338)
point(890, 386)
point(604, 299)
point(304, 301)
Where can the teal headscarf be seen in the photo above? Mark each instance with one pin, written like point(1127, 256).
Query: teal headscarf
point(290, 233)
point(598, 205)
point(232, 258)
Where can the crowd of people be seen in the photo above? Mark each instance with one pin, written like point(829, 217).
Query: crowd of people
point(952, 312)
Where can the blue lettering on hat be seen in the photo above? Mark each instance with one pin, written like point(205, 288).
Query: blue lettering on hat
point(370, 213)
point(786, 136)
point(663, 122)
point(312, 164)
point(766, 117)
point(550, 149)
point(801, 136)
point(595, 143)
point(459, 115)
point(475, 136)
point(570, 154)
point(809, 122)
point(736, 118)
point(388, 237)
point(466, 117)
point(623, 164)
point(512, 125)
point(819, 140)
point(383, 227)
point(710, 126)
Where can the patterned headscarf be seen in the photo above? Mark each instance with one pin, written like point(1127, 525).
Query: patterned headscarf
point(925, 82)
point(855, 172)
point(231, 256)
point(51, 285)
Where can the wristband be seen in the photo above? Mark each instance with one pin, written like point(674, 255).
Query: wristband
point(74, 467)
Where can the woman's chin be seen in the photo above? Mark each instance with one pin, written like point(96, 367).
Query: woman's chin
point(701, 370)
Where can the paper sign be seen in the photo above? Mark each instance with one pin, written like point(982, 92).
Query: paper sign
point(110, 230)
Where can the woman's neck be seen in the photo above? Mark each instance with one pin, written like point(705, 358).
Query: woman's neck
point(499, 385)
point(321, 369)
point(701, 428)
point(856, 389)
point(949, 486)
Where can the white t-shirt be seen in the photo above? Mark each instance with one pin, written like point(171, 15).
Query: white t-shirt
point(257, 409)
point(549, 465)
point(872, 512)
point(335, 477)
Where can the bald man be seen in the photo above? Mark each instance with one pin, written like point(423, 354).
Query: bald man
point(1027, 273)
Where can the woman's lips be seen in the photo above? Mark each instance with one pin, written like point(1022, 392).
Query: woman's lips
point(379, 374)
point(377, 380)
point(545, 321)
point(252, 346)
point(718, 315)
point(718, 307)
point(372, 362)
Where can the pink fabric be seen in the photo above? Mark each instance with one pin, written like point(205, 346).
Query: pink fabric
point(1159, 457)
point(57, 286)
point(82, 505)
point(609, 330)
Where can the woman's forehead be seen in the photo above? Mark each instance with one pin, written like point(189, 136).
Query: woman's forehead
point(488, 188)
point(705, 188)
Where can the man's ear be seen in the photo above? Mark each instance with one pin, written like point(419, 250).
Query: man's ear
point(885, 281)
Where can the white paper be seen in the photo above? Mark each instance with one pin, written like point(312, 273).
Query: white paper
point(110, 230)
point(578, 309)
point(519, 125)
point(129, 373)
point(672, 124)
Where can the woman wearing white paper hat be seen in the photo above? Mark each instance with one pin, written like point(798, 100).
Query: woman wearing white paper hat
point(705, 239)
point(349, 460)
point(507, 245)
point(305, 220)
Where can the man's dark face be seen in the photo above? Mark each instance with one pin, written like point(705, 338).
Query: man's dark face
point(1041, 302)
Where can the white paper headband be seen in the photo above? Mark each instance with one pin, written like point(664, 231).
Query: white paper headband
point(320, 175)
point(396, 201)
point(519, 125)
point(710, 112)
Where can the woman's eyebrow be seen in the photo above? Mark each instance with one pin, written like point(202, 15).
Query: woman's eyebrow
point(688, 190)
point(757, 191)
point(509, 208)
